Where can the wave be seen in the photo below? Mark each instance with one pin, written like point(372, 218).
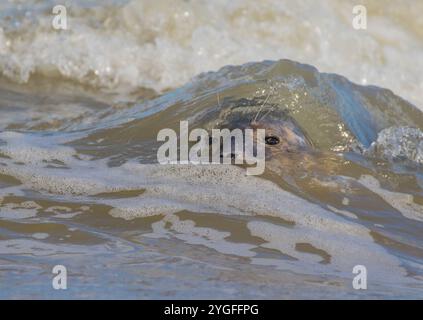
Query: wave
point(124, 46)
point(322, 219)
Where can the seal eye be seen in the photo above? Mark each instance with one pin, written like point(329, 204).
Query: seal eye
point(272, 140)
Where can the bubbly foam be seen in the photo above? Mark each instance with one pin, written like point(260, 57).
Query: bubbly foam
point(82, 156)
point(162, 44)
point(23, 210)
point(403, 202)
point(187, 231)
point(344, 252)
point(399, 144)
point(219, 189)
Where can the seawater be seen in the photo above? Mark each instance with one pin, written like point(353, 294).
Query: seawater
point(80, 184)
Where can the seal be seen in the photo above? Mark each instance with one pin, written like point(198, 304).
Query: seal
point(284, 135)
point(291, 158)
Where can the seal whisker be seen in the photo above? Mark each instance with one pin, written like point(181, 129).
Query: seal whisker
point(261, 107)
point(271, 109)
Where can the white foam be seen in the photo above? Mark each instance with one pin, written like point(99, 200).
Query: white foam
point(345, 251)
point(23, 210)
point(40, 235)
point(213, 189)
point(398, 144)
point(187, 231)
point(403, 202)
point(33, 149)
point(343, 212)
point(162, 44)
point(63, 212)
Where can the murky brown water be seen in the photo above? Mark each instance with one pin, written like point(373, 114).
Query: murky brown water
point(80, 184)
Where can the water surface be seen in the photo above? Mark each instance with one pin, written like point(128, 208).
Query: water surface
point(80, 184)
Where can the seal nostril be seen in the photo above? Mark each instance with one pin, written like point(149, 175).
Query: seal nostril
point(271, 140)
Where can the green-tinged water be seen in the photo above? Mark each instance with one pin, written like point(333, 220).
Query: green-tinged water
point(80, 184)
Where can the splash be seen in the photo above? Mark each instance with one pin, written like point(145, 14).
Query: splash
point(127, 45)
